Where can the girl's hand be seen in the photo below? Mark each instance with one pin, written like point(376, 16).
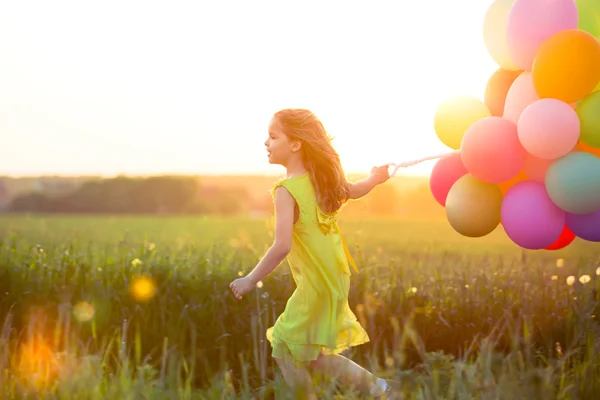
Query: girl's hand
point(240, 287)
point(380, 175)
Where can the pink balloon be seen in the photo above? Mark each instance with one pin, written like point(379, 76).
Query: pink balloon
point(531, 22)
point(444, 175)
point(520, 95)
point(491, 150)
point(549, 129)
point(535, 168)
point(530, 218)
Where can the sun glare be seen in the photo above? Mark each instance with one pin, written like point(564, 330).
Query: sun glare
point(196, 95)
point(37, 362)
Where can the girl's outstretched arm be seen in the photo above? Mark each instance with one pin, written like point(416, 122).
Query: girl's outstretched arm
point(361, 188)
point(284, 224)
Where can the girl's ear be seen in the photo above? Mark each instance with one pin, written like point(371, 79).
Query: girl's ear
point(296, 145)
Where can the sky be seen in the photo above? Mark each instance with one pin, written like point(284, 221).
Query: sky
point(139, 88)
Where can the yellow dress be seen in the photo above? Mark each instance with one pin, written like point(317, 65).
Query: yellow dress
point(317, 318)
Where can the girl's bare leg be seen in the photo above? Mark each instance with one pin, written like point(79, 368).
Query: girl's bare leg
point(298, 379)
point(345, 371)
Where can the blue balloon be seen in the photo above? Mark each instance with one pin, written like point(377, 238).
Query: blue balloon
point(573, 183)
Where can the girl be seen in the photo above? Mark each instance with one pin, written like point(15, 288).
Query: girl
point(317, 324)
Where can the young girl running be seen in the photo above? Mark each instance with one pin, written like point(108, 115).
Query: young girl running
point(317, 324)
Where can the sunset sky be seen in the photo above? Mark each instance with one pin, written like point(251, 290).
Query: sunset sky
point(123, 87)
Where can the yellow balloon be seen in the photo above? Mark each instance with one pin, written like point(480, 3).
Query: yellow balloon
point(494, 33)
point(473, 207)
point(455, 116)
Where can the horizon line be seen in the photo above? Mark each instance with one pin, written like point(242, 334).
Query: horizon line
point(108, 176)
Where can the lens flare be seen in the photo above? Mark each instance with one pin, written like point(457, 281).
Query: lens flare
point(83, 311)
point(143, 288)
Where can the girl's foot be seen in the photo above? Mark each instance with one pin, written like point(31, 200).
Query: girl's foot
point(393, 391)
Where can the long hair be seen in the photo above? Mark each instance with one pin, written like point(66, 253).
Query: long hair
point(319, 157)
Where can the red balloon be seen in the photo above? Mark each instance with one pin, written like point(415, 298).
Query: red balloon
point(443, 176)
point(565, 239)
point(497, 88)
point(491, 150)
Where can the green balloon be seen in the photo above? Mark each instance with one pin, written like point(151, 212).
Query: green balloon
point(573, 183)
point(588, 111)
point(473, 207)
point(589, 16)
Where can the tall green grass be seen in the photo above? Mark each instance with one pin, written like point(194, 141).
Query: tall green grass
point(450, 317)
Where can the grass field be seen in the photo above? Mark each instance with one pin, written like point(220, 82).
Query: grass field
point(139, 307)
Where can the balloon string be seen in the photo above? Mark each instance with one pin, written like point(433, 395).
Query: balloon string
point(420, 160)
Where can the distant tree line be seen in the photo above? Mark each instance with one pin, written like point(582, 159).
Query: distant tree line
point(187, 195)
point(130, 195)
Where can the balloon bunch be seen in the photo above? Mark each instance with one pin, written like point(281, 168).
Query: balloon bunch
point(529, 153)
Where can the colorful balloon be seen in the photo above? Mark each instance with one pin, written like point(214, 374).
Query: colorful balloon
point(491, 150)
point(505, 186)
point(530, 218)
point(494, 33)
point(473, 207)
point(455, 116)
point(566, 238)
point(588, 149)
point(530, 152)
point(589, 16)
point(535, 168)
point(444, 175)
point(520, 95)
point(573, 183)
point(548, 129)
point(497, 88)
point(531, 22)
point(586, 227)
point(589, 116)
point(567, 66)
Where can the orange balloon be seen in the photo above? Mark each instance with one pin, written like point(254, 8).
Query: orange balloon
point(497, 88)
point(505, 186)
point(588, 149)
point(567, 66)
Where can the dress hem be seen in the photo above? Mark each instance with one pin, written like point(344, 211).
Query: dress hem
point(284, 349)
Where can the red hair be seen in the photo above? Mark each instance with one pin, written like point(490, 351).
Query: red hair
point(318, 155)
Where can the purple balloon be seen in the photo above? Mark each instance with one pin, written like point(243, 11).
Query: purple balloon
point(586, 227)
point(530, 218)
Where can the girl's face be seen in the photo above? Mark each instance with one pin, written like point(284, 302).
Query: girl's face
point(279, 146)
